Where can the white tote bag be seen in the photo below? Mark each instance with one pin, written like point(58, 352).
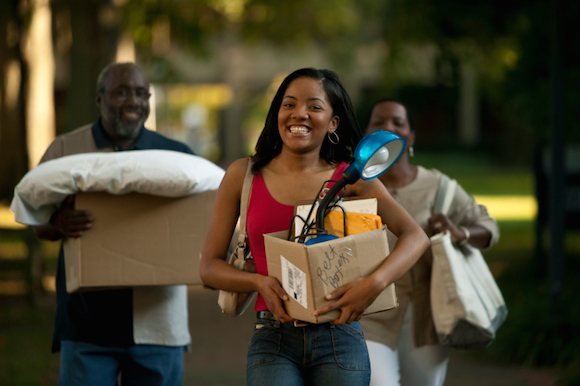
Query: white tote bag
point(466, 303)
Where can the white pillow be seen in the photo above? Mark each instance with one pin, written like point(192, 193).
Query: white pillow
point(158, 172)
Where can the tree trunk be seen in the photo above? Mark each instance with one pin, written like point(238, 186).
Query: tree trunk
point(13, 152)
point(39, 55)
point(93, 47)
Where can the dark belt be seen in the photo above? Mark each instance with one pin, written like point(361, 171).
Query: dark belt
point(270, 316)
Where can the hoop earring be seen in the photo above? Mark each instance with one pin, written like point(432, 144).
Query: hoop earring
point(411, 151)
point(336, 138)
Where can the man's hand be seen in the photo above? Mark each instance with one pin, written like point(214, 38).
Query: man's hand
point(70, 222)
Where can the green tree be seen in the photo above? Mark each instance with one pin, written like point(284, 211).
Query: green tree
point(510, 43)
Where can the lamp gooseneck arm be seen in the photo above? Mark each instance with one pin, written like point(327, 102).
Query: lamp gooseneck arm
point(330, 195)
point(349, 176)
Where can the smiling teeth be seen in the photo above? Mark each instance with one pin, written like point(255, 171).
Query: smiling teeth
point(299, 130)
point(131, 115)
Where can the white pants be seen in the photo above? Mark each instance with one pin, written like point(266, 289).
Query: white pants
point(407, 365)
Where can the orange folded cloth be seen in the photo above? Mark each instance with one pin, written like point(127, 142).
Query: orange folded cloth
point(355, 223)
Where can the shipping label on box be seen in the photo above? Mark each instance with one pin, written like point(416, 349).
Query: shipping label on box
point(308, 273)
point(138, 240)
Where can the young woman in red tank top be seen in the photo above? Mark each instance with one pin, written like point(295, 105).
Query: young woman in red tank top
point(310, 132)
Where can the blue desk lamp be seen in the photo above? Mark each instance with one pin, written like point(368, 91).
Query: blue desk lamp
point(375, 154)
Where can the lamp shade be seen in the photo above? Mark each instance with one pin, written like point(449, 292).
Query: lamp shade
point(376, 153)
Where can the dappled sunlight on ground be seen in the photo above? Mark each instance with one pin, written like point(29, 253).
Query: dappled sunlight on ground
point(13, 287)
point(19, 286)
point(509, 208)
point(7, 218)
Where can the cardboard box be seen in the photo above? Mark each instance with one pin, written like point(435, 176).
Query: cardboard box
point(138, 240)
point(308, 273)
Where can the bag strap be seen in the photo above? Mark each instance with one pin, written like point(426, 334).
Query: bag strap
point(444, 195)
point(244, 202)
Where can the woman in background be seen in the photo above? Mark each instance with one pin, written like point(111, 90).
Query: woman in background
point(309, 137)
point(402, 343)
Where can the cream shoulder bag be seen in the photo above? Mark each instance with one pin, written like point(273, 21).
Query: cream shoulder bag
point(235, 303)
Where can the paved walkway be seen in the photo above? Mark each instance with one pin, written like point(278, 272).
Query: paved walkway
point(218, 354)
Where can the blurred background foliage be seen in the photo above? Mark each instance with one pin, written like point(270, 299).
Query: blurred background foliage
point(478, 75)
point(419, 50)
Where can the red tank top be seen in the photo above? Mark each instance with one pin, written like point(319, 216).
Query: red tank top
point(266, 215)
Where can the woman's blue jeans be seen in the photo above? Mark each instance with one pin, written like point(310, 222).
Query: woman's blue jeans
point(316, 354)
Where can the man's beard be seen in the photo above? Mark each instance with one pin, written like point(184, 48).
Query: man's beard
point(122, 130)
point(125, 131)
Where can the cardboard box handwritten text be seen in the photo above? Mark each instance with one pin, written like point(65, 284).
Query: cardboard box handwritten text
point(308, 273)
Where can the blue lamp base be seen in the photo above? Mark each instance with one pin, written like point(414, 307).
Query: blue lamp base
point(320, 239)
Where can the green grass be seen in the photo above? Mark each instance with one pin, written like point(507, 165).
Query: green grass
point(516, 243)
point(25, 329)
point(478, 175)
point(25, 340)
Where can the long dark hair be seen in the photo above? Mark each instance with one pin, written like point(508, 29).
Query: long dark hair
point(269, 144)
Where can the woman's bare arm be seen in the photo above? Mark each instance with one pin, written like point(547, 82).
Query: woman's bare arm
point(354, 297)
point(214, 271)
